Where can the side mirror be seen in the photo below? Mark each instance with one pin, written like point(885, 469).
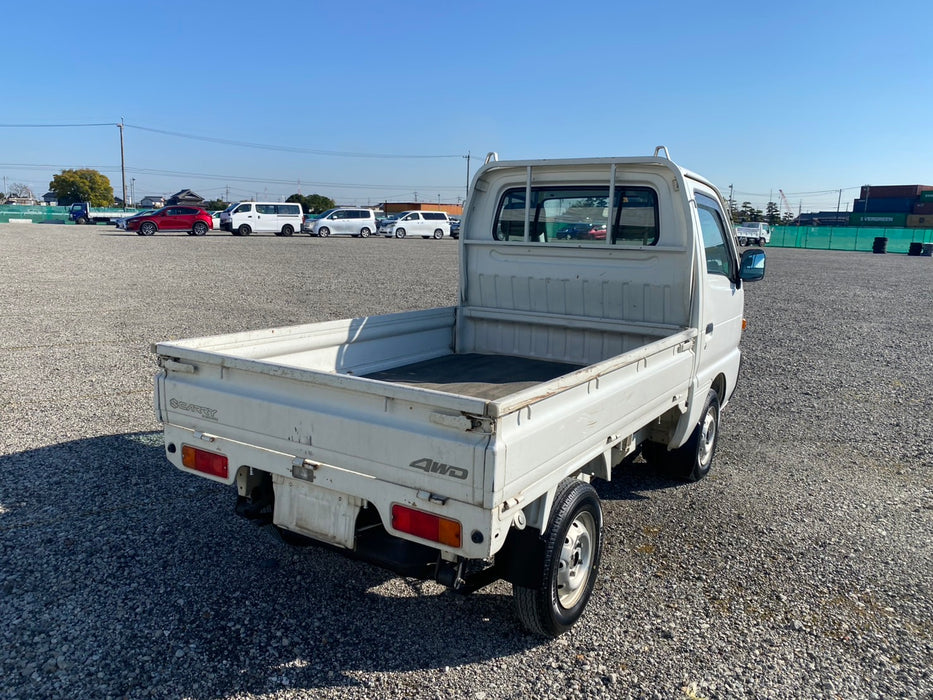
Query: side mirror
point(752, 265)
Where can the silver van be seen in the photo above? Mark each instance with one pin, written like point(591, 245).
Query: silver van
point(346, 221)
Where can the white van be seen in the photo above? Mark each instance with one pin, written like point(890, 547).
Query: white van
point(244, 218)
point(426, 224)
point(346, 221)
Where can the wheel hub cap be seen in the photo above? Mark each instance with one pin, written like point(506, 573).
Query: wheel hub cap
point(576, 560)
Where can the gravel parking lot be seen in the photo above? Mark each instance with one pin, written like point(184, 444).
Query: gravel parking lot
point(801, 568)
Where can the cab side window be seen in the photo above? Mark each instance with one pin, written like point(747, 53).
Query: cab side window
point(719, 259)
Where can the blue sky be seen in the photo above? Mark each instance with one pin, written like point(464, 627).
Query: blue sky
point(810, 97)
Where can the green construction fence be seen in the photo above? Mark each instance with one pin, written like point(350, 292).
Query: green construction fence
point(847, 237)
point(35, 214)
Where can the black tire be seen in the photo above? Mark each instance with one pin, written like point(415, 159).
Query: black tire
point(570, 562)
point(147, 228)
point(399, 232)
point(692, 460)
point(244, 230)
point(323, 232)
point(438, 234)
point(199, 229)
point(743, 242)
point(364, 232)
point(80, 221)
point(288, 230)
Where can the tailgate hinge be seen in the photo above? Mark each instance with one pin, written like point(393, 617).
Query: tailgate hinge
point(177, 366)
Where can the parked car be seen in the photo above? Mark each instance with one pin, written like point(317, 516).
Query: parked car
point(418, 223)
point(121, 222)
point(194, 220)
point(572, 231)
point(308, 224)
point(280, 218)
point(215, 218)
point(454, 227)
point(346, 221)
point(597, 232)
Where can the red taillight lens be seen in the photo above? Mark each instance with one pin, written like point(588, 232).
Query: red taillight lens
point(203, 461)
point(426, 525)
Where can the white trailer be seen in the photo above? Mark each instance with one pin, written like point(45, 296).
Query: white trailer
point(84, 213)
point(457, 444)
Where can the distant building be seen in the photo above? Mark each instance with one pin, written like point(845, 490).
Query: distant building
point(185, 197)
point(823, 218)
point(152, 202)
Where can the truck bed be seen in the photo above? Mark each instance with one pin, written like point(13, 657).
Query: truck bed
point(488, 377)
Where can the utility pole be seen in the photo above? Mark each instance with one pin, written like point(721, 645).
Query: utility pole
point(133, 191)
point(467, 156)
point(122, 162)
point(839, 201)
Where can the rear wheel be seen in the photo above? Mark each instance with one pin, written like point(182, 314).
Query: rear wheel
point(570, 562)
point(364, 232)
point(692, 460)
point(244, 230)
point(400, 233)
point(147, 228)
point(323, 232)
point(438, 233)
point(288, 230)
point(199, 228)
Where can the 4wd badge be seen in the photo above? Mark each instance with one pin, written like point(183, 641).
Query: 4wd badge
point(426, 464)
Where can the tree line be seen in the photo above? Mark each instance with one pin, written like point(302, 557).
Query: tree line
point(92, 186)
point(747, 213)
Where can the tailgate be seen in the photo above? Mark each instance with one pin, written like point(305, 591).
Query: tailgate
point(404, 436)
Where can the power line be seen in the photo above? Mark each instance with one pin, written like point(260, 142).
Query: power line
point(51, 126)
point(287, 149)
point(232, 178)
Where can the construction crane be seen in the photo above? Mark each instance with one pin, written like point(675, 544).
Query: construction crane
point(786, 203)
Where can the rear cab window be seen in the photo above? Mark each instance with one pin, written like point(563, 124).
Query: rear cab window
point(581, 215)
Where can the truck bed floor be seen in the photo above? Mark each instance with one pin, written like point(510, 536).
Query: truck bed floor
point(488, 377)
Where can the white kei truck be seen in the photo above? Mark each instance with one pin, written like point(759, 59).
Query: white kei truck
point(458, 444)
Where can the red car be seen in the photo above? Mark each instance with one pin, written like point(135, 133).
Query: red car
point(194, 220)
point(596, 233)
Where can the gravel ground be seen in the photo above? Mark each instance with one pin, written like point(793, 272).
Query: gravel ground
point(801, 568)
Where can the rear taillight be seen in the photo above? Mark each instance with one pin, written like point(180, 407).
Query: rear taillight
point(426, 525)
point(204, 461)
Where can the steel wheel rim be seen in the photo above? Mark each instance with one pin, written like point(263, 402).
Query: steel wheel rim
point(576, 559)
point(707, 438)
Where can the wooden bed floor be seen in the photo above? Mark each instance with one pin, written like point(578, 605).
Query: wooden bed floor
point(482, 376)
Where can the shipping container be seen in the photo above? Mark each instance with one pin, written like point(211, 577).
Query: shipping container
point(884, 205)
point(871, 191)
point(894, 220)
point(921, 207)
point(926, 196)
point(920, 221)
